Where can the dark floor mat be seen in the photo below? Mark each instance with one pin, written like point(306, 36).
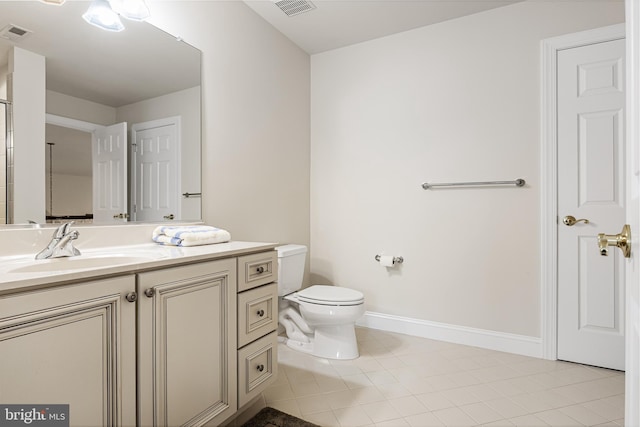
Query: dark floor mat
point(269, 417)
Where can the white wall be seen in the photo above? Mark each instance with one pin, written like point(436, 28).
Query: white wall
point(72, 194)
point(71, 107)
point(27, 92)
point(255, 159)
point(456, 101)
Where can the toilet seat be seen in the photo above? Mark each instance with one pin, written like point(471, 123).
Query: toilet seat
point(330, 295)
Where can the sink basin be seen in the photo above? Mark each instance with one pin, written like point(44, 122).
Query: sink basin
point(78, 263)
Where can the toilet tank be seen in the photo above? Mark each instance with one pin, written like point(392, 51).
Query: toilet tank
point(291, 259)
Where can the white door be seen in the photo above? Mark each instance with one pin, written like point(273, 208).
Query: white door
point(109, 151)
point(591, 186)
point(156, 170)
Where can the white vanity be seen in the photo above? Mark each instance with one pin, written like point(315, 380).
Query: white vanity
point(141, 335)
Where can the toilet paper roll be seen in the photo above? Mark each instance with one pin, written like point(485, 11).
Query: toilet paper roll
point(386, 261)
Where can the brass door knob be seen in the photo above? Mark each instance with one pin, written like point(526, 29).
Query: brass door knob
point(570, 220)
point(621, 240)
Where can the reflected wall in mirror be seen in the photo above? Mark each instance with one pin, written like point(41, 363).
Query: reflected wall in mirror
point(133, 98)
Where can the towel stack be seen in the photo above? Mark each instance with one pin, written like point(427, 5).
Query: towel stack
point(190, 235)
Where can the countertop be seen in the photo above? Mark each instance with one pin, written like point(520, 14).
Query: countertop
point(23, 272)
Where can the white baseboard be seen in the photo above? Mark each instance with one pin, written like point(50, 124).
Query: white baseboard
point(499, 341)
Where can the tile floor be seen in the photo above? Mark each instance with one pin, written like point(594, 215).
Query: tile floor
point(401, 380)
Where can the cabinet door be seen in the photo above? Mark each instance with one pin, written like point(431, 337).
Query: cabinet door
point(74, 345)
point(187, 337)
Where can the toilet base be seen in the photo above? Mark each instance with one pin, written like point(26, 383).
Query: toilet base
point(330, 342)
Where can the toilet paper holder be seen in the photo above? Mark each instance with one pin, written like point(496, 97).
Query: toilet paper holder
point(396, 259)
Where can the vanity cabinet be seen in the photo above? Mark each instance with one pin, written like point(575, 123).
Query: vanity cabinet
point(74, 345)
point(187, 344)
point(257, 324)
point(162, 346)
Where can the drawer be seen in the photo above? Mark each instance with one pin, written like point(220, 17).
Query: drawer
point(257, 367)
point(257, 269)
point(257, 313)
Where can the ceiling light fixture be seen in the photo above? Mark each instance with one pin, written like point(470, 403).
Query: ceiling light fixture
point(56, 2)
point(136, 10)
point(102, 16)
point(106, 14)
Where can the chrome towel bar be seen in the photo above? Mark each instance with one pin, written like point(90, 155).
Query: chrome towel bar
point(518, 183)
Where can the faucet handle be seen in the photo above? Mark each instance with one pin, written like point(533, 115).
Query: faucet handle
point(62, 230)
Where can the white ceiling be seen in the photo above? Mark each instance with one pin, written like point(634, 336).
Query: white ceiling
point(338, 23)
point(74, 49)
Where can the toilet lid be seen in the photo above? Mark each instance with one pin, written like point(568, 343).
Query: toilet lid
point(334, 295)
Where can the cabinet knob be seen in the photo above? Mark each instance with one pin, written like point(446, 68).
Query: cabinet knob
point(131, 297)
point(260, 368)
point(260, 313)
point(149, 292)
point(260, 270)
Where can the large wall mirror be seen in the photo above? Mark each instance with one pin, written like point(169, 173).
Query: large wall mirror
point(122, 120)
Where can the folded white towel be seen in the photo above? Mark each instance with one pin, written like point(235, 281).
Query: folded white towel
point(189, 235)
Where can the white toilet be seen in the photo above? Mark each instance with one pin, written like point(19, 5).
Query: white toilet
point(319, 320)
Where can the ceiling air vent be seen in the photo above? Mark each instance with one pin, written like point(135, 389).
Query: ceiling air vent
point(14, 33)
point(295, 7)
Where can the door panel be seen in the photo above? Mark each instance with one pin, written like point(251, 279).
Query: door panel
point(72, 345)
point(591, 185)
point(186, 344)
point(110, 173)
point(157, 170)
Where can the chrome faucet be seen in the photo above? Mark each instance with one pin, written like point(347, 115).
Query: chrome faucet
point(61, 243)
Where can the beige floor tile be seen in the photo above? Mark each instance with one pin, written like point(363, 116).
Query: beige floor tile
point(329, 384)
point(390, 391)
point(366, 395)
point(288, 406)
point(341, 399)
point(481, 413)
point(454, 417)
point(305, 388)
point(528, 421)
point(426, 419)
point(381, 377)
point(313, 404)
point(558, 419)
point(404, 381)
point(278, 392)
point(352, 417)
point(605, 409)
point(357, 381)
point(408, 406)
point(507, 407)
point(381, 411)
point(323, 419)
point(583, 415)
point(499, 423)
point(461, 396)
point(435, 401)
point(394, 423)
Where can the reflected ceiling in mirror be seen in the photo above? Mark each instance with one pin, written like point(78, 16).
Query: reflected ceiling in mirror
point(109, 68)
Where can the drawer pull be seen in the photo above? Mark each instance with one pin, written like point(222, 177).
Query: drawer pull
point(131, 297)
point(149, 292)
point(260, 368)
point(260, 270)
point(260, 313)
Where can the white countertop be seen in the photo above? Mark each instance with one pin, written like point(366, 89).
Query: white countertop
point(21, 272)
